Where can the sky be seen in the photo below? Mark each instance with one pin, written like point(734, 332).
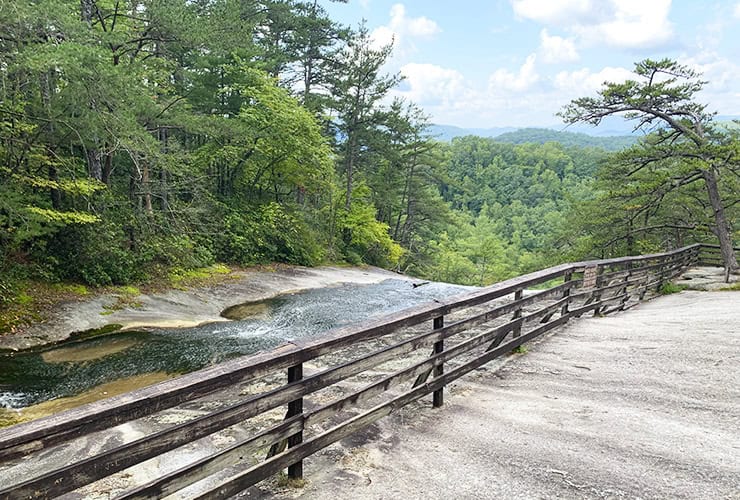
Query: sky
point(500, 63)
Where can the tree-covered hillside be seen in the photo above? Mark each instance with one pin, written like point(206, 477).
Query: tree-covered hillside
point(508, 202)
point(543, 135)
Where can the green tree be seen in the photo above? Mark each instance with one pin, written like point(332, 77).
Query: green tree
point(357, 88)
point(684, 148)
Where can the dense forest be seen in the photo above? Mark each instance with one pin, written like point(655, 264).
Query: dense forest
point(543, 135)
point(141, 138)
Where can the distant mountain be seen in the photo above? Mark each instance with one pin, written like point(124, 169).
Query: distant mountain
point(726, 118)
point(446, 133)
point(728, 122)
point(609, 127)
point(613, 133)
point(513, 135)
point(615, 125)
point(543, 135)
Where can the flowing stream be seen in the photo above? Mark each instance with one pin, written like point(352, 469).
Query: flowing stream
point(139, 358)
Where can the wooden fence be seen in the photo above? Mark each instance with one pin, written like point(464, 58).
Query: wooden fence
point(390, 362)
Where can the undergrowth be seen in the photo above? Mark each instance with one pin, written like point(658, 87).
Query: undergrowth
point(735, 287)
point(669, 288)
point(33, 301)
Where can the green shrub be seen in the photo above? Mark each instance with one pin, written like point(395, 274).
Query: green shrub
point(178, 275)
point(364, 235)
point(735, 287)
point(669, 288)
point(106, 254)
point(23, 299)
point(266, 233)
point(96, 255)
point(173, 250)
point(8, 290)
point(353, 258)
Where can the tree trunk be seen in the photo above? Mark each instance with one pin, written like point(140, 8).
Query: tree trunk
point(107, 169)
point(147, 188)
point(307, 79)
point(164, 194)
point(56, 195)
point(349, 164)
point(86, 11)
point(722, 225)
point(94, 164)
point(53, 174)
point(164, 200)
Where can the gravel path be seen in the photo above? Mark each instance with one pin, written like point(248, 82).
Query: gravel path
point(641, 404)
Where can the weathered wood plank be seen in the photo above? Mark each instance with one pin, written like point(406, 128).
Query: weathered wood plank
point(24, 438)
point(501, 310)
point(175, 481)
point(74, 476)
point(621, 273)
point(31, 436)
point(439, 346)
point(408, 373)
point(71, 477)
point(517, 312)
point(580, 266)
point(88, 470)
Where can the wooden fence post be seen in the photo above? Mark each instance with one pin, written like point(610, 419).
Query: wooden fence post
point(295, 373)
point(597, 294)
point(566, 293)
point(625, 290)
point(679, 261)
point(643, 285)
point(439, 346)
point(661, 274)
point(517, 331)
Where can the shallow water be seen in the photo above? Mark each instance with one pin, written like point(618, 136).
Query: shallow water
point(74, 368)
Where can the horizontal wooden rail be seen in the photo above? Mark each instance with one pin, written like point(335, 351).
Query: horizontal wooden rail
point(435, 343)
point(710, 255)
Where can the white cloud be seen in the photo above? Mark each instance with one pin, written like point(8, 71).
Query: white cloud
point(403, 30)
point(584, 82)
point(521, 97)
point(432, 84)
point(503, 79)
point(736, 12)
point(632, 24)
point(720, 93)
point(551, 11)
point(636, 24)
point(422, 27)
point(555, 49)
point(382, 36)
point(450, 98)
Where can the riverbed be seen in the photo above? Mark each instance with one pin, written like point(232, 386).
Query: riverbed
point(47, 379)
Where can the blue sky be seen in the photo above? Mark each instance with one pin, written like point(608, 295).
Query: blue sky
point(495, 63)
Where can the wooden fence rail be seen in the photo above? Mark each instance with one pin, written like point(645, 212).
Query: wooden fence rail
point(390, 362)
